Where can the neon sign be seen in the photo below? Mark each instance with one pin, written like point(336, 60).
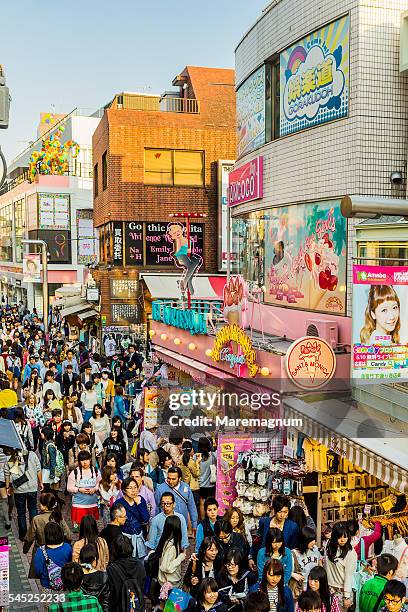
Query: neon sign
point(245, 356)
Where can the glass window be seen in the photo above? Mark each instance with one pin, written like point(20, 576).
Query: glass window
point(272, 100)
point(189, 168)
point(158, 167)
point(248, 243)
point(96, 179)
point(19, 221)
point(377, 253)
point(105, 170)
point(6, 231)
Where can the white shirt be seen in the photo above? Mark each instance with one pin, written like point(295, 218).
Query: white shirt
point(55, 386)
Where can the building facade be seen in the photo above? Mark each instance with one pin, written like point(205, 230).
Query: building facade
point(53, 208)
point(155, 156)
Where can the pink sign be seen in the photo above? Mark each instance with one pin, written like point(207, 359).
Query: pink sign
point(246, 182)
point(229, 446)
point(380, 275)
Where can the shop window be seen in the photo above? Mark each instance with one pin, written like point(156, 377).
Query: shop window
point(95, 180)
point(19, 222)
point(272, 99)
point(383, 253)
point(105, 170)
point(248, 241)
point(166, 167)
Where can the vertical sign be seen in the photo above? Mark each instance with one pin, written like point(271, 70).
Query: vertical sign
point(31, 268)
point(134, 243)
point(224, 168)
point(251, 113)
point(117, 243)
point(4, 571)
point(228, 448)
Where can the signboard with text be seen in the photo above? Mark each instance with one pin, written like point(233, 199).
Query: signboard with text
point(251, 113)
point(246, 182)
point(228, 449)
point(314, 78)
point(31, 268)
point(224, 168)
point(380, 323)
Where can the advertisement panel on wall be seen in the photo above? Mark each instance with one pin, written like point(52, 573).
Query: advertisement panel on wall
point(31, 268)
point(246, 182)
point(86, 238)
point(224, 168)
point(228, 449)
point(53, 210)
point(305, 257)
point(380, 322)
point(251, 113)
point(314, 78)
point(58, 244)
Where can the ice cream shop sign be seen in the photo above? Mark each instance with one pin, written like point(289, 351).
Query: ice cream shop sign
point(233, 346)
point(310, 362)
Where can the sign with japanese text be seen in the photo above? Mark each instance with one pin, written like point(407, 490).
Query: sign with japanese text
point(305, 257)
point(224, 168)
point(314, 78)
point(53, 211)
point(380, 322)
point(228, 449)
point(124, 289)
point(123, 314)
point(117, 243)
point(87, 241)
point(246, 182)
point(251, 113)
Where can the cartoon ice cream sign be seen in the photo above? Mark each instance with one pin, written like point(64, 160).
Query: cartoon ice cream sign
point(314, 78)
point(310, 362)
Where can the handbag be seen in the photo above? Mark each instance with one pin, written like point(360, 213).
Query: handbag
point(18, 482)
point(296, 586)
point(213, 476)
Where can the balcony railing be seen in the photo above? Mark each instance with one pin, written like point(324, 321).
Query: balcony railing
point(156, 103)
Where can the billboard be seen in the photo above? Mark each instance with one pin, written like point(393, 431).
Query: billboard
point(224, 168)
point(251, 113)
point(53, 209)
point(314, 78)
point(380, 322)
point(31, 268)
point(87, 242)
point(246, 182)
point(305, 257)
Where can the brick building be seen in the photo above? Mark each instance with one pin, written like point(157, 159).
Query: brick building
point(154, 156)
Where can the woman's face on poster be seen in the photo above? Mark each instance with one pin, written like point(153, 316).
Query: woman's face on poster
point(386, 315)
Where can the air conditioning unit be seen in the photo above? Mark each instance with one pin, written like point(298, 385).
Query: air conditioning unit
point(324, 329)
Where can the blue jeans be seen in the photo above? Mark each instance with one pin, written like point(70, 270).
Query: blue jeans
point(24, 502)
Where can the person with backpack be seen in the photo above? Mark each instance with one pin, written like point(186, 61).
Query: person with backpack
point(51, 558)
point(371, 594)
point(22, 475)
point(52, 460)
point(126, 577)
point(83, 483)
point(72, 577)
point(23, 428)
point(95, 582)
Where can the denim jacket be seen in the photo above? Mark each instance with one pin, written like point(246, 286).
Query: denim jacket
point(49, 458)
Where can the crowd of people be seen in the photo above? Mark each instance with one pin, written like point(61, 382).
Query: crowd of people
point(144, 526)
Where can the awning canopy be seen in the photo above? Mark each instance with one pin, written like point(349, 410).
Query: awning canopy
point(87, 314)
point(195, 368)
point(9, 435)
point(74, 309)
point(367, 443)
point(162, 286)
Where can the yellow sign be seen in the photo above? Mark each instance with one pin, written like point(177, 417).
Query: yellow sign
point(246, 354)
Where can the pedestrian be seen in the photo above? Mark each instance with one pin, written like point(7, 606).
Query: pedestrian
point(108, 391)
point(83, 482)
point(53, 555)
point(51, 383)
point(49, 459)
point(70, 381)
point(137, 515)
point(306, 555)
point(275, 549)
point(309, 601)
point(317, 581)
point(207, 563)
point(88, 534)
point(5, 453)
point(100, 422)
point(71, 413)
point(229, 539)
point(370, 598)
point(167, 505)
point(257, 602)
point(115, 526)
point(205, 527)
point(341, 563)
point(114, 443)
point(280, 596)
point(208, 599)
point(183, 496)
point(23, 427)
point(207, 462)
point(112, 461)
point(116, 422)
point(394, 595)
point(72, 578)
point(121, 405)
point(22, 474)
point(137, 474)
point(95, 582)
point(89, 399)
point(235, 581)
point(108, 491)
point(126, 577)
point(170, 553)
point(35, 417)
point(158, 474)
point(190, 470)
point(238, 524)
point(50, 511)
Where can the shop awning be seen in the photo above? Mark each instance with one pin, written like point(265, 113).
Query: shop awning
point(74, 309)
point(195, 368)
point(162, 286)
point(87, 314)
point(367, 443)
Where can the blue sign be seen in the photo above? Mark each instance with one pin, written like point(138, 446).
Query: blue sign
point(190, 320)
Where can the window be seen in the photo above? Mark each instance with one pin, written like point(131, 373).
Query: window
point(19, 222)
point(272, 100)
point(96, 179)
point(167, 167)
point(104, 170)
point(6, 231)
point(383, 253)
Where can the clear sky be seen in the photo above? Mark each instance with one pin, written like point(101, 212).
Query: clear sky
point(62, 55)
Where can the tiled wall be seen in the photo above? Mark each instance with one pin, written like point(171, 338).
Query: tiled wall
point(355, 155)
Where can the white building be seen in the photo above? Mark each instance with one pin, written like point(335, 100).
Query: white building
point(54, 208)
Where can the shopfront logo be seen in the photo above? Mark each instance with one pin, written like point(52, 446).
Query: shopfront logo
point(242, 354)
point(310, 362)
point(246, 182)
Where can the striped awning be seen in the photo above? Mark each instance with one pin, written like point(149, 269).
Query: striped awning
point(392, 474)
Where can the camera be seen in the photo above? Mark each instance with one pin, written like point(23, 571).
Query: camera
point(396, 178)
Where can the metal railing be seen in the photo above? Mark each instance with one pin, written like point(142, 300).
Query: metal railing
point(211, 310)
point(77, 169)
point(156, 103)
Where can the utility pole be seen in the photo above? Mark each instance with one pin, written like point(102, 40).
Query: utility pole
point(4, 117)
point(44, 261)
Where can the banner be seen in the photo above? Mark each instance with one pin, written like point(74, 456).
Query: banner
point(228, 448)
point(31, 268)
point(314, 78)
point(87, 240)
point(380, 322)
point(246, 182)
point(305, 257)
point(224, 168)
point(251, 113)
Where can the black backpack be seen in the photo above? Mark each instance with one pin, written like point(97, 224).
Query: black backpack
point(130, 594)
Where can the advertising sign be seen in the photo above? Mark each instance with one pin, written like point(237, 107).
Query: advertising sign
point(246, 182)
point(305, 257)
point(134, 243)
point(53, 209)
point(160, 244)
point(380, 322)
point(124, 313)
point(122, 289)
point(59, 245)
point(228, 448)
point(233, 346)
point(310, 362)
point(251, 113)
point(117, 243)
point(86, 238)
point(31, 268)
point(224, 168)
point(314, 78)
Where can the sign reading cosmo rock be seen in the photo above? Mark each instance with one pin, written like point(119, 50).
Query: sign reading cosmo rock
point(243, 354)
point(246, 182)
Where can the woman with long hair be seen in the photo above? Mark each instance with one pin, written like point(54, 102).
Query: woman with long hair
point(340, 562)
point(208, 599)
point(206, 564)
point(71, 413)
point(170, 553)
point(33, 384)
point(300, 515)
point(23, 428)
point(50, 511)
point(317, 582)
point(55, 550)
point(112, 461)
point(114, 443)
point(109, 489)
point(89, 534)
point(275, 549)
point(83, 483)
point(34, 415)
point(235, 517)
point(116, 422)
point(280, 596)
point(235, 581)
point(100, 422)
point(306, 555)
point(49, 403)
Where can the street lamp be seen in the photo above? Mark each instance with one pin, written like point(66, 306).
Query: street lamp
point(44, 261)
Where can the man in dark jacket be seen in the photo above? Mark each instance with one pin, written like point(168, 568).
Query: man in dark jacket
point(126, 577)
